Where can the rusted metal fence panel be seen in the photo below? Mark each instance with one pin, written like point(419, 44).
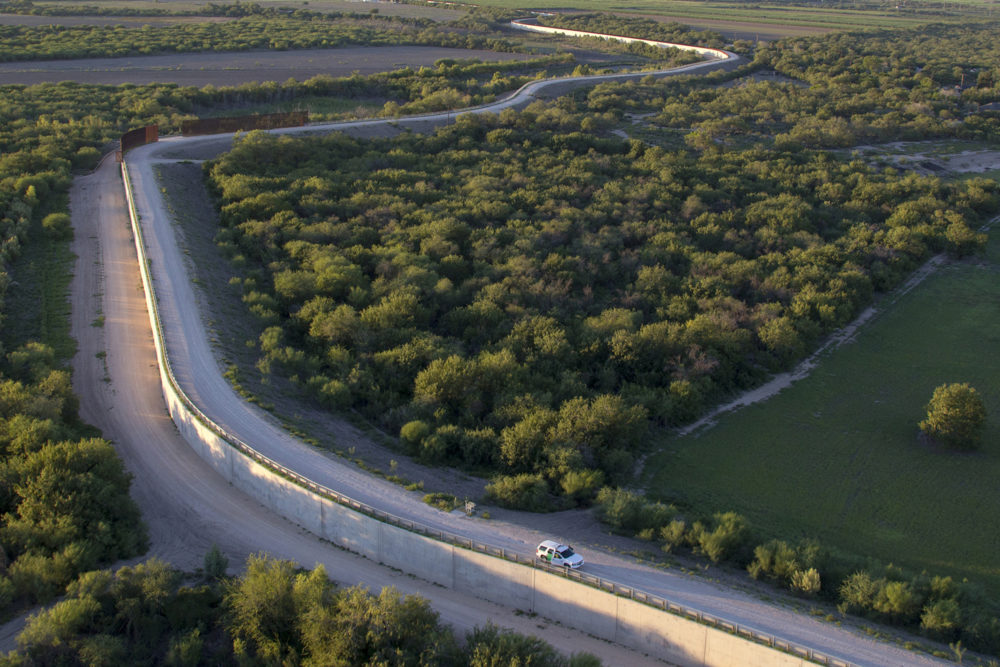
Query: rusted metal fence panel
point(140, 137)
point(268, 121)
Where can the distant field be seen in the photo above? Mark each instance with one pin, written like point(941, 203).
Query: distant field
point(697, 12)
point(230, 69)
point(387, 9)
point(837, 456)
point(126, 21)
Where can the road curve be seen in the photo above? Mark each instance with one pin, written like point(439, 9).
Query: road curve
point(198, 374)
point(186, 505)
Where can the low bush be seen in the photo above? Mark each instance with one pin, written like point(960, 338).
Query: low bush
point(522, 492)
point(443, 501)
point(629, 512)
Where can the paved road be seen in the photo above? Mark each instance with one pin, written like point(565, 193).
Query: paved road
point(216, 511)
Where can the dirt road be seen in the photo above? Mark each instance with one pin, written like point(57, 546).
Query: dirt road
point(188, 507)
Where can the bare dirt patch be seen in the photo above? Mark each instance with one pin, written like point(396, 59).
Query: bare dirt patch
point(230, 69)
point(935, 159)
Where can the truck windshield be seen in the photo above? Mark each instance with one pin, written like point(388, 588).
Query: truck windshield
point(566, 552)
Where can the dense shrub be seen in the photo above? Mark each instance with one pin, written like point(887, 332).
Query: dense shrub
point(725, 537)
point(522, 492)
point(956, 416)
point(629, 512)
point(273, 613)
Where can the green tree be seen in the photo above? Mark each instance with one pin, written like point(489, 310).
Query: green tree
point(262, 608)
point(956, 416)
point(215, 563)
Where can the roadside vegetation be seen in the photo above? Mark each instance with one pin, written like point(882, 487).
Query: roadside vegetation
point(643, 28)
point(64, 503)
point(272, 614)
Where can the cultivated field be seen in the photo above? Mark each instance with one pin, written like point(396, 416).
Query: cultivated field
point(230, 69)
point(126, 21)
point(696, 12)
point(842, 448)
point(437, 13)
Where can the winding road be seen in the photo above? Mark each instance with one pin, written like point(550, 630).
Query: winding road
point(188, 507)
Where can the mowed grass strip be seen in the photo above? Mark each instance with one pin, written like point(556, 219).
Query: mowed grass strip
point(837, 455)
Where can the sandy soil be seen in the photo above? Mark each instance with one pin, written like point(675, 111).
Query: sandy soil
point(933, 161)
point(230, 69)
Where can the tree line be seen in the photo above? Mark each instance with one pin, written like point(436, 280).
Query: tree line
point(630, 26)
point(240, 34)
point(272, 614)
point(960, 613)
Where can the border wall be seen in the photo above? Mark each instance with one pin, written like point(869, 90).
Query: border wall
point(600, 607)
point(531, 25)
point(138, 137)
point(267, 121)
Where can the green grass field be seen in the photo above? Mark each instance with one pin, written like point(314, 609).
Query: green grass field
point(837, 455)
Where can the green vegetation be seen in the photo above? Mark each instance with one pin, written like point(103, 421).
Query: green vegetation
point(516, 293)
point(271, 614)
point(528, 294)
point(445, 502)
point(243, 34)
point(955, 416)
point(609, 24)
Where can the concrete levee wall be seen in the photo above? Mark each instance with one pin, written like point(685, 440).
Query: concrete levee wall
point(521, 585)
point(529, 26)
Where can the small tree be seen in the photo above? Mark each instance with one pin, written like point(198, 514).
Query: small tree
point(955, 416)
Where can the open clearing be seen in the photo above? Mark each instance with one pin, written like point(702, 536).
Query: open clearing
point(841, 446)
point(235, 68)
